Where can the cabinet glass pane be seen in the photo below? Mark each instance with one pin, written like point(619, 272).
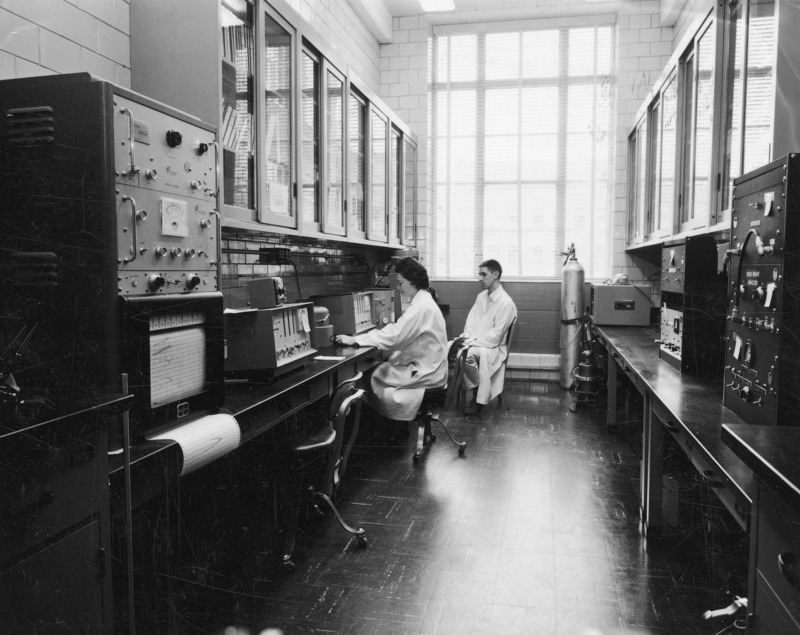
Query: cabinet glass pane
point(395, 202)
point(704, 122)
point(236, 132)
point(760, 84)
point(358, 158)
point(377, 193)
point(669, 140)
point(654, 172)
point(309, 137)
point(730, 161)
point(409, 192)
point(278, 120)
point(335, 152)
point(641, 179)
point(687, 141)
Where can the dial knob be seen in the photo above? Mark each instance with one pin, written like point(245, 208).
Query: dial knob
point(151, 174)
point(175, 252)
point(192, 280)
point(201, 148)
point(155, 281)
point(161, 252)
point(174, 138)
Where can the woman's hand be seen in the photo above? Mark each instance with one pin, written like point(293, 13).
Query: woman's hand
point(344, 340)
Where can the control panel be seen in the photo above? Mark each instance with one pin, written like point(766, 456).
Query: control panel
point(166, 198)
point(350, 313)
point(762, 356)
point(693, 294)
point(269, 340)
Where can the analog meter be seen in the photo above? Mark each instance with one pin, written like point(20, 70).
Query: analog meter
point(174, 217)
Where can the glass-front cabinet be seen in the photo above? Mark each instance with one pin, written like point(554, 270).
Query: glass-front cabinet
point(726, 104)
point(304, 147)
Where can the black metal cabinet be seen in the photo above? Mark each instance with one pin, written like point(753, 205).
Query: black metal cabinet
point(54, 522)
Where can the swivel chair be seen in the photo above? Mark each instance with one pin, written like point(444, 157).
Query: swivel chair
point(325, 442)
point(436, 399)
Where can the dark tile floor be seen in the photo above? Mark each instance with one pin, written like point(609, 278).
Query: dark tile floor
point(534, 530)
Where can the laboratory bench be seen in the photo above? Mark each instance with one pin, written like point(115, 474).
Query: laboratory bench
point(688, 409)
point(752, 468)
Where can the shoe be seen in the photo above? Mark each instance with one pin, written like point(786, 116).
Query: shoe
point(474, 408)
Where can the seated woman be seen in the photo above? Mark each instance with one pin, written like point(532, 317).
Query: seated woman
point(418, 348)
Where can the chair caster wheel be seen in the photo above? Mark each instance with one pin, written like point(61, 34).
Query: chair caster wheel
point(461, 450)
point(416, 457)
point(289, 566)
point(362, 541)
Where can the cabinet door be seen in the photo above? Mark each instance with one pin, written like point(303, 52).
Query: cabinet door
point(310, 140)
point(378, 173)
point(335, 152)
point(357, 165)
point(237, 124)
point(277, 178)
point(409, 220)
point(395, 189)
point(59, 589)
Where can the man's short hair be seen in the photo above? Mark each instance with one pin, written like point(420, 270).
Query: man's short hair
point(493, 266)
point(414, 272)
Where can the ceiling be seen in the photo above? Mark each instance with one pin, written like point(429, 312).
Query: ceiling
point(493, 10)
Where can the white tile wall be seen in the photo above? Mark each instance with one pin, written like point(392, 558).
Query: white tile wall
point(43, 37)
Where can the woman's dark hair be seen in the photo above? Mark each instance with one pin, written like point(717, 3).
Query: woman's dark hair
point(414, 272)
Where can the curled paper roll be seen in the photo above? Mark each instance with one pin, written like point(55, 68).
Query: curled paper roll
point(203, 440)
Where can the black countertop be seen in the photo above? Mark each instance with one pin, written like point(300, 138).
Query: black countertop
point(773, 453)
point(695, 404)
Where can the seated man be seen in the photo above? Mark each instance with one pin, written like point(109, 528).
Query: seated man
point(485, 333)
point(416, 345)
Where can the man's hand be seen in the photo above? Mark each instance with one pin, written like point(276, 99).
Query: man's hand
point(344, 340)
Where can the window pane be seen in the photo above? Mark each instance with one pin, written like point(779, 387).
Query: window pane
point(463, 58)
point(687, 141)
point(538, 157)
point(502, 111)
point(410, 187)
point(539, 109)
point(394, 186)
point(540, 54)
point(502, 55)
point(501, 159)
point(582, 52)
point(462, 163)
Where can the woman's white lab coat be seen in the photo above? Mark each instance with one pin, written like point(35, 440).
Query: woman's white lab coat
point(418, 358)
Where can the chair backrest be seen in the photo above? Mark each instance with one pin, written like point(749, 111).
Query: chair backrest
point(509, 337)
point(343, 391)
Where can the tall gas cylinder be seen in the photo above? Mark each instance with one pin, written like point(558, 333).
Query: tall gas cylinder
point(573, 306)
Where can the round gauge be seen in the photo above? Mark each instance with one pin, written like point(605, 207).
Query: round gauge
point(174, 217)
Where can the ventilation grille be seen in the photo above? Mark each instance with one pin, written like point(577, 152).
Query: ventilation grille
point(31, 269)
point(27, 126)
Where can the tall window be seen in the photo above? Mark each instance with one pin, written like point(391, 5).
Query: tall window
point(521, 143)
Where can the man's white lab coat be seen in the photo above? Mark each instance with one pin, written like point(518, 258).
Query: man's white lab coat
point(487, 323)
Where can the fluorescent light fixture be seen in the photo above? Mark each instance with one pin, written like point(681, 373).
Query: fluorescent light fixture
point(430, 6)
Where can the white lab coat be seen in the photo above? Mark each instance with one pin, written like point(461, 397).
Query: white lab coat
point(418, 358)
point(487, 322)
